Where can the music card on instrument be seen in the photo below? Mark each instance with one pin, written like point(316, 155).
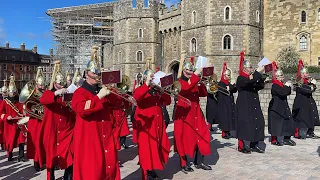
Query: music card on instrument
point(207, 71)
point(264, 61)
point(67, 97)
point(201, 62)
point(268, 68)
point(111, 77)
point(166, 80)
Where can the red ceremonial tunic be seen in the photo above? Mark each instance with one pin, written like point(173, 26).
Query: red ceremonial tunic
point(153, 141)
point(121, 123)
point(12, 134)
point(56, 132)
point(34, 126)
point(1, 127)
point(95, 153)
point(190, 128)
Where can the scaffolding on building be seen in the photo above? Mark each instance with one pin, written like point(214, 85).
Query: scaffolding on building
point(76, 29)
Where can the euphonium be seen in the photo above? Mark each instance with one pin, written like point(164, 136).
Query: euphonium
point(213, 87)
point(30, 96)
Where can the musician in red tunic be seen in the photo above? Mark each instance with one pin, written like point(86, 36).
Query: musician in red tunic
point(56, 133)
point(95, 153)
point(191, 135)
point(153, 142)
point(34, 124)
point(10, 110)
point(4, 94)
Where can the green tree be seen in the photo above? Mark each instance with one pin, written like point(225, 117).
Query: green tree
point(288, 57)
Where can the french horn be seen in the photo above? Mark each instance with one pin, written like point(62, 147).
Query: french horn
point(30, 97)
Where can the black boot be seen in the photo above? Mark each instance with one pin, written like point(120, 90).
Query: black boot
point(203, 166)
point(255, 148)
point(152, 175)
point(311, 134)
point(10, 156)
point(36, 166)
point(186, 169)
point(21, 153)
point(52, 177)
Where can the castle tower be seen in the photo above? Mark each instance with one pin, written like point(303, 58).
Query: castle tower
point(135, 35)
point(220, 30)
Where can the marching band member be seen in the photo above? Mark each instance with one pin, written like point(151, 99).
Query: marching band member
point(280, 121)
point(69, 79)
point(4, 94)
point(95, 153)
point(153, 141)
point(226, 105)
point(34, 125)
point(250, 121)
point(56, 133)
point(10, 109)
point(137, 83)
point(305, 111)
point(191, 134)
point(212, 108)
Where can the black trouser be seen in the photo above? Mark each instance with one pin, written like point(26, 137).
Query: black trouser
point(67, 173)
point(123, 140)
point(198, 157)
point(21, 151)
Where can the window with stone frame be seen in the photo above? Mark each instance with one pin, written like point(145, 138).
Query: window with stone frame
point(227, 13)
point(194, 17)
point(257, 16)
point(193, 45)
point(319, 14)
point(140, 33)
point(303, 17)
point(318, 61)
point(4, 66)
point(139, 56)
point(227, 42)
point(303, 43)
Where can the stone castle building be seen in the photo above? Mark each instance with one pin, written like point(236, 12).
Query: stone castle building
point(218, 30)
point(292, 23)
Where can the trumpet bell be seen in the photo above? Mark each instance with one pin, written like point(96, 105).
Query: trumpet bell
point(213, 89)
point(124, 86)
point(176, 87)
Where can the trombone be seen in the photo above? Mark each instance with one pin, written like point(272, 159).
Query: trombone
point(212, 85)
point(173, 91)
point(298, 83)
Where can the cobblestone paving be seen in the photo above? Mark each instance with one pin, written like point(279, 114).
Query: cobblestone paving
point(300, 162)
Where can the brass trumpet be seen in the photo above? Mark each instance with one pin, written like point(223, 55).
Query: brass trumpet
point(172, 91)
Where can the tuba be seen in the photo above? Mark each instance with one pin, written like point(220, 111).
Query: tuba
point(30, 96)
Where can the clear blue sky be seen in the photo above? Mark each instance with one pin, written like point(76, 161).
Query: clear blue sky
point(26, 21)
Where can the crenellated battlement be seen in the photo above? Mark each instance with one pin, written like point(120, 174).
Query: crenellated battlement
point(165, 12)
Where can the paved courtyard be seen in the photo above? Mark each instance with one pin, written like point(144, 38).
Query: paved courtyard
point(300, 162)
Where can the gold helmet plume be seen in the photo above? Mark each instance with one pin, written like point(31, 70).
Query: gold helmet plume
point(39, 77)
point(4, 89)
point(93, 64)
point(77, 77)
point(57, 76)
point(12, 85)
point(148, 69)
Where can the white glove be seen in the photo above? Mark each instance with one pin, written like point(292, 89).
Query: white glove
point(314, 81)
point(103, 92)
point(9, 118)
point(148, 80)
point(260, 69)
point(198, 71)
point(60, 91)
point(228, 88)
point(289, 84)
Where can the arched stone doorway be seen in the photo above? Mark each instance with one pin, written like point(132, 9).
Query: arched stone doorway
point(174, 69)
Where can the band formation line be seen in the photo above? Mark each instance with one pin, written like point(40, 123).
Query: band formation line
point(80, 123)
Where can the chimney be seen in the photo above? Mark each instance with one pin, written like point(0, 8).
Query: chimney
point(35, 49)
point(51, 52)
point(23, 47)
point(7, 45)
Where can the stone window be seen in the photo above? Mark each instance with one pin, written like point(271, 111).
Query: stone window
point(140, 33)
point(28, 68)
point(303, 43)
point(139, 56)
point(303, 17)
point(227, 42)
point(4, 66)
point(257, 16)
point(120, 57)
point(227, 13)
point(318, 61)
point(194, 17)
point(193, 45)
point(13, 67)
point(319, 14)
point(21, 68)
